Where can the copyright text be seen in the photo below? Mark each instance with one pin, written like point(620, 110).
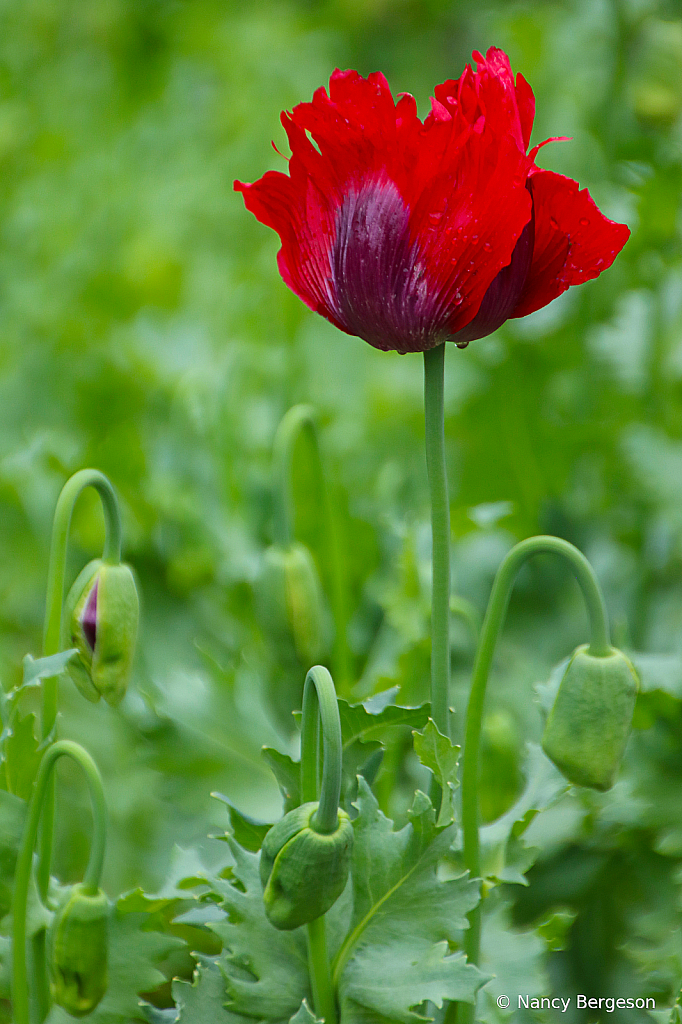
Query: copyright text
point(581, 1002)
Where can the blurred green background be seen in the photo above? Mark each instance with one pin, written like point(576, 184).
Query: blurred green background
point(144, 330)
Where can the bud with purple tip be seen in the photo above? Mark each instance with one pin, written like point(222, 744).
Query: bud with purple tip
point(100, 620)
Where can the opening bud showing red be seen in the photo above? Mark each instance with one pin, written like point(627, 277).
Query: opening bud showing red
point(101, 619)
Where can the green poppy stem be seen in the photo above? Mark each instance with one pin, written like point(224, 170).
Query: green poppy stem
point(40, 797)
point(434, 367)
point(320, 707)
point(492, 624)
point(299, 420)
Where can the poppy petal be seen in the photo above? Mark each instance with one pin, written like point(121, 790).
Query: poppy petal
point(574, 241)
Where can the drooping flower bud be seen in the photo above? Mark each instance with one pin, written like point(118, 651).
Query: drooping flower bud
point(588, 726)
point(290, 603)
point(101, 618)
point(77, 951)
point(303, 872)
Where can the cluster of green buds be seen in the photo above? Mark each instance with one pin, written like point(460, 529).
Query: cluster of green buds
point(303, 870)
point(100, 620)
point(588, 726)
point(77, 943)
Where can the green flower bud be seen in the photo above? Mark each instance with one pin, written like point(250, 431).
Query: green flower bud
point(588, 726)
point(77, 943)
point(101, 618)
point(303, 872)
point(290, 603)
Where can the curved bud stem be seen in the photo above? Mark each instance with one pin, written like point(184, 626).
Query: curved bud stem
point(320, 706)
point(93, 873)
point(298, 420)
point(434, 372)
point(492, 624)
point(51, 643)
point(319, 695)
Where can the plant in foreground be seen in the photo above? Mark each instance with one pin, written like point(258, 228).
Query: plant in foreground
point(94, 640)
point(410, 234)
point(77, 934)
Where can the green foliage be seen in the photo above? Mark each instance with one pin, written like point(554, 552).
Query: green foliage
point(145, 330)
point(395, 953)
point(391, 934)
point(437, 753)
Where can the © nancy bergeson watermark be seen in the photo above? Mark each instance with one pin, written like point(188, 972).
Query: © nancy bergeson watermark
point(582, 1002)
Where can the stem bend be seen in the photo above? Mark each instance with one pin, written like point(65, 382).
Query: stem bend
point(53, 615)
point(93, 873)
point(492, 624)
point(320, 706)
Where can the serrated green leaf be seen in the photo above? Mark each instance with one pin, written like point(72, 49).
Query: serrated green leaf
point(134, 956)
point(288, 775)
point(46, 668)
point(185, 871)
point(403, 917)
point(266, 970)
point(204, 1000)
point(366, 721)
point(305, 1016)
point(441, 757)
point(248, 832)
point(22, 755)
point(390, 979)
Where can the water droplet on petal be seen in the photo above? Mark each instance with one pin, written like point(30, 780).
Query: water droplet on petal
point(585, 221)
point(435, 217)
point(461, 344)
point(474, 239)
point(488, 247)
point(554, 223)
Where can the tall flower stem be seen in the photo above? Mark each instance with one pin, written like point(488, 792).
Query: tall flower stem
point(39, 800)
point(492, 624)
point(320, 708)
point(51, 645)
point(434, 366)
point(298, 420)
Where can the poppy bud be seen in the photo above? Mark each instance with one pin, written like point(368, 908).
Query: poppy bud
point(77, 951)
point(303, 872)
point(290, 603)
point(101, 617)
point(588, 726)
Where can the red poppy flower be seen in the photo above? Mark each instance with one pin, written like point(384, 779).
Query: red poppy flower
point(411, 233)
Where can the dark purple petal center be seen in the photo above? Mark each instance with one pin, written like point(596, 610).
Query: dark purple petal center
point(381, 290)
point(89, 617)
